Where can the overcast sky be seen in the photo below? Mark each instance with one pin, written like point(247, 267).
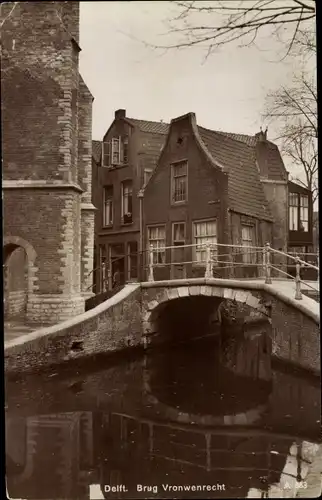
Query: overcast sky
point(226, 92)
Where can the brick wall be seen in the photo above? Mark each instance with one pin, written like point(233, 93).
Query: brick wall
point(16, 285)
point(42, 199)
point(85, 181)
point(112, 326)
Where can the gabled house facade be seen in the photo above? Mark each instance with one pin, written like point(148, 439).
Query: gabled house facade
point(129, 152)
point(169, 185)
point(206, 187)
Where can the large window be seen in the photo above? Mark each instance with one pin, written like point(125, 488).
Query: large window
point(156, 238)
point(249, 257)
point(204, 232)
point(127, 216)
point(298, 212)
point(304, 212)
point(108, 206)
point(115, 151)
point(179, 182)
point(293, 212)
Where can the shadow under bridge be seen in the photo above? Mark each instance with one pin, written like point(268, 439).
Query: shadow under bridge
point(185, 318)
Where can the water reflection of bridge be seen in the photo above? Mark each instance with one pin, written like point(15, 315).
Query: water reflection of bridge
point(55, 456)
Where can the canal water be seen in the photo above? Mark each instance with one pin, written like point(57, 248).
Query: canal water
point(204, 419)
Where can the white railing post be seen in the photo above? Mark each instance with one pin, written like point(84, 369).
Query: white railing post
point(208, 273)
point(264, 261)
point(104, 276)
point(298, 293)
point(151, 277)
point(318, 266)
point(109, 278)
point(268, 279)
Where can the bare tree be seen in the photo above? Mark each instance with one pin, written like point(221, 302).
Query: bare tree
point(293, 108)
point(215, 23)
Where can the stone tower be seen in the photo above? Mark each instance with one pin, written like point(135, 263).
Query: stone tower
point(46, 143)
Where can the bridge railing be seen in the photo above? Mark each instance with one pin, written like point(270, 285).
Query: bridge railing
point(230, 261)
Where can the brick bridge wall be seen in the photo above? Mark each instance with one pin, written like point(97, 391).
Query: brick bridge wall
point(127, 320)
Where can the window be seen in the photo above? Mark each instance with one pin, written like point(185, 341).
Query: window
point(125, 150)
point(304, 212)
point(179, 182)
point(156, 238)
point(147, 175)
point(293, 211)
point(204, 232)
point(248, 241)
point(298, 212)
point(115, 151)
point(178, 239)
point(108, 206)
point(127, 202)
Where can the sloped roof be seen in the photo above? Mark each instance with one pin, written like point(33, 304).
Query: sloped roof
point(152, 145)
point(245, 191)
point(97, 150)
point(267, 155)
point(150, 127)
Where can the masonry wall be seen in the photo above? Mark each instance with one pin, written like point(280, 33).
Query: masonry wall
point(85, 181)
point(15, 285)
point(40, 150)
point(277, 196)
point(116, 327)
point(207, 194)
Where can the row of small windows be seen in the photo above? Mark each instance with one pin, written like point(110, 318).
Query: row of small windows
point(203, 232)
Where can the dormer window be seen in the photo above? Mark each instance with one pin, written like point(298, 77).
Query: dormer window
point(115, 152)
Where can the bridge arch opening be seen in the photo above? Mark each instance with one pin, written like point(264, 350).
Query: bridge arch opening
point(18, 261)
point(185, 318)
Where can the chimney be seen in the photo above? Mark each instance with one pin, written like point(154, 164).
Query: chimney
point(261, 136)
point(120, 113)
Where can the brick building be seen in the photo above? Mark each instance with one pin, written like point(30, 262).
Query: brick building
point(129, 152)
point(233, 186)
point(206, 187)
point(46, 140)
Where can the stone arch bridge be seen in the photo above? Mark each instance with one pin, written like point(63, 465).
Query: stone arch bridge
point(134, 315)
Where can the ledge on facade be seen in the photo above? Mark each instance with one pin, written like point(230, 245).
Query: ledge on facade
point(88, 206)
point(41, 184)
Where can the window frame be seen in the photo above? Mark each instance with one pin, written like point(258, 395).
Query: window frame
point(129, 181)
point(248, 257)
point(194, 248)
point(105, 203)
point(293, 211)
point(148, 228)
point(172, 182)
point(173, 241)
point(115, 145)
point(303, 207)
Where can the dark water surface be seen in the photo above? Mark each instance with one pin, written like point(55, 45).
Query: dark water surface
point(200, 420)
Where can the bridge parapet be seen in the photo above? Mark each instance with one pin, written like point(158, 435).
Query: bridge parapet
point(232, 261)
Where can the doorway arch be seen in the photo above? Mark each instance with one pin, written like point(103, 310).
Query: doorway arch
point(18, 273)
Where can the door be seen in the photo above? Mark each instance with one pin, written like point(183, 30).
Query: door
point(117, 264)
point(178, 267)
